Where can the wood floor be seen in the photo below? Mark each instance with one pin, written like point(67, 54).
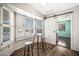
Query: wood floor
point(50, 50)
point(63, 42)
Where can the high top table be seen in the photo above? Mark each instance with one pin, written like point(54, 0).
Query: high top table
point(38, 39)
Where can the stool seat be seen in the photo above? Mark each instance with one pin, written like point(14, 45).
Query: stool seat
point(28, 43)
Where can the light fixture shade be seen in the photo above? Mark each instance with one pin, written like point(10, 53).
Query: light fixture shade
point(43, 4)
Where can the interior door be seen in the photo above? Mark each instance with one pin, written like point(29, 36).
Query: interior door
point(0, 36)
point(50, 34)
point(5, 27)
point(0, 26)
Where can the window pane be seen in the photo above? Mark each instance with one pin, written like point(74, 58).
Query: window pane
point(5, 17)
point(39, 26)
point(6, 34)
point(29, 24)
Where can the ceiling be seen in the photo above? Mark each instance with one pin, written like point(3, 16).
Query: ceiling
point(50, 8)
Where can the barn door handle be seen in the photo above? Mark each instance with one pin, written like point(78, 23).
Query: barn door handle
point(1, 44)
point(54, 31)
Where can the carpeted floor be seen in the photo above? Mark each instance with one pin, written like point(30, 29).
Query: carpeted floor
point(50, 50)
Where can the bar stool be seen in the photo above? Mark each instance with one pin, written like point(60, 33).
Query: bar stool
point(29, 46)
point(43, 43)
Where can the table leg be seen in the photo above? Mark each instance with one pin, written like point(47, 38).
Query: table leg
point(43, 45)
point(32, 49)
point(25, 50)
point(28, 50)
point(38, 44)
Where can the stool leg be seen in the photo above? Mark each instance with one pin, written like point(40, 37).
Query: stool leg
point(38, 44)
point(25, 50)
point(32, 49)
point(43, 45)
point(28, 50)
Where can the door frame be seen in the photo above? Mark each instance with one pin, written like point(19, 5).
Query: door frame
point(70, 32)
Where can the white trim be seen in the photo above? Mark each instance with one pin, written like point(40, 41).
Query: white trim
point(71, 32)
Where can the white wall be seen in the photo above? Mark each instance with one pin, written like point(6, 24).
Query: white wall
point(74, 28)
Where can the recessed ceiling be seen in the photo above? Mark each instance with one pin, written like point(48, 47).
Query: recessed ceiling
point(49, 8)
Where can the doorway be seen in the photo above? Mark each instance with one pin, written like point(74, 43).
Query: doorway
point(63, 32)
